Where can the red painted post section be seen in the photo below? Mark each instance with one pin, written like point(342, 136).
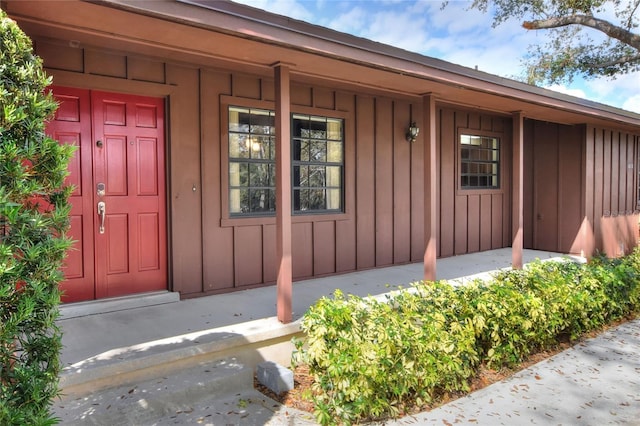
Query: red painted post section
point(430, 188)
point(283, 192)
point(518, 190)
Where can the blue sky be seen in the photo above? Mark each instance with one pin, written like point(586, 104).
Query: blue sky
point(455, 34)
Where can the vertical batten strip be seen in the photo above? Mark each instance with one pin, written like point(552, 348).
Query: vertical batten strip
point(518, 190)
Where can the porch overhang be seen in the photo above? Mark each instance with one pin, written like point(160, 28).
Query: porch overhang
point(229, 35)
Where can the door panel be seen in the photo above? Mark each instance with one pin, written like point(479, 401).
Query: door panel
point(129, 163)
point(72, 125)
point(545, 173)
point(121, 145)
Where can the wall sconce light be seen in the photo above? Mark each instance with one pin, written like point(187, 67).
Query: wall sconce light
point(412, 132)
point(252, 144)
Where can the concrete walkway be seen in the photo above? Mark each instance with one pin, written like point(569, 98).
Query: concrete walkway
point(140, 343)
point(597, 382)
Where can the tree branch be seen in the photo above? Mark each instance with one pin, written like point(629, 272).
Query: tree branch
point(632, 13)
point(620, 61)
point(613, 31)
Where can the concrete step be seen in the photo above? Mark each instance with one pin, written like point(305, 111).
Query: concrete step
point(151, 401)
point(115, 304)
point(180, 379)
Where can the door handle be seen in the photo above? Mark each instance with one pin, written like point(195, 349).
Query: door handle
point(102, 208)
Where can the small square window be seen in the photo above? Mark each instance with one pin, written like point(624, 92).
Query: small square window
point(479, 162)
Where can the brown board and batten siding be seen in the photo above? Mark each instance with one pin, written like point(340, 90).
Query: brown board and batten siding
point(244, 248)
point(554, 186)
point(472, 220)
point(611, 192)
point(382, 224)
point(376, 227)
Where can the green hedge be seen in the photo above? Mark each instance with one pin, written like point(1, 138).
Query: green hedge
point(372, 359)
point(34, 213)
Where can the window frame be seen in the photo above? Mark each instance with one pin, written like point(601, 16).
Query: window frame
point(226, 218)
point(460, 190)
point(310, 163)
point(252, 161)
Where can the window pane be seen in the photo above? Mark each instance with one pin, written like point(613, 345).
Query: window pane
point(301, 176)
point(238, 119)
point(238, 174)
point(334, 129)
point(272, 175)
point(296, 149)
point(318, 151)
point(316, 176)
point(234, 174)
point(479, 162)
point(272, 148)
point(234, 201)
point(317, 199)
point(334, 152)
point(334, 177)
point(243, 200)
point(304, 150)
point(259, 175)
point(260, 148)
point(261, 200)
point(262, 122)
point(311, 199)
point(334, 200)
point(238, 147)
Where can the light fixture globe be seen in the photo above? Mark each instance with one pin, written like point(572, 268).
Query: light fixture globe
point(412, 132)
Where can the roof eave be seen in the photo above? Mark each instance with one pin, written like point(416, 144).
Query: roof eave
point(277, 29)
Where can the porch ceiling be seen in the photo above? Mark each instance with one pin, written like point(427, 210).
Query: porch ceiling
point(236, 37)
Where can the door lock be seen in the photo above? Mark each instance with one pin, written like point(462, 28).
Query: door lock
point(100, 189)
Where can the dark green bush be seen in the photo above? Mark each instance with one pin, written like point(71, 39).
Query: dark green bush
point(372, 359)
point(33, 220)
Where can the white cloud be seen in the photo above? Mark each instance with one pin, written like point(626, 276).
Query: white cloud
point(632, 104)
point(455, 34)
point(622, 92)
point(352, 21)
point(578, 93)
point(398, 28)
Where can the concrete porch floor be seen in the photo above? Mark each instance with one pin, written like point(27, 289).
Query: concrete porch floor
point(95, 332)
point(109, 348)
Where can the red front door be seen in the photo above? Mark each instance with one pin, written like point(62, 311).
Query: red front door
point(118, 208)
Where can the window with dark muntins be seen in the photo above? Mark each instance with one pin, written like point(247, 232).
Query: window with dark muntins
point(252, 167)
point(317, 146)
point(317, 152)
point(479, 162)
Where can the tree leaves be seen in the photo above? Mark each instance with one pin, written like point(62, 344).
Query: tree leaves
point(570, 25)
point(34, 213)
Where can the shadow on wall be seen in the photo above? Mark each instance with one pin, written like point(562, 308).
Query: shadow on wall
point(620, 234)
